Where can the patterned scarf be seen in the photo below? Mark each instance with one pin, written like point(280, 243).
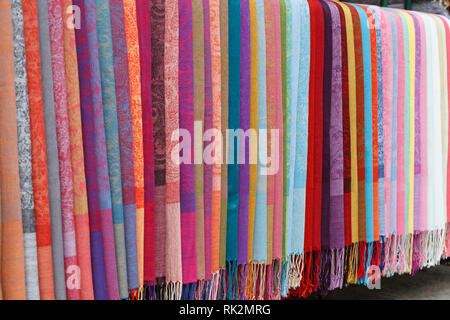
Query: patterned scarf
point(126, 144)
point(13, 286)
point(52, 153)
point(24, 148)
point(38, 154)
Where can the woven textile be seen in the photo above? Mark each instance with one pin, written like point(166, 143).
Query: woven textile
point(222, 149)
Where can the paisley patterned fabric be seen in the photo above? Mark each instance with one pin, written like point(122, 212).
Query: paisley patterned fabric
point(157, 25)
point(222, 149)
point(38, 155)
point(13, 286)
point(79, 179)
point(24, 149)
point(64, 152)
point(52, 153)
point(112, 224)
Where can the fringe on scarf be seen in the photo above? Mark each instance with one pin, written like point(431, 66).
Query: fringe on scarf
point(256, 286)
point(409, 252)
point(415, 264)
point(203, 289)
point(337, 268)
point(391, 256)
point(309, 282)
point(189, 291)
point(236, 280)
point(222, 286)
point(300, 275)
point(215, 284)
point(276, 279)
point(365, 261)
point(268, 282)
point(242, 281)
point(325, 271)
point(447, 242)
point(135, 294)
point(149, 290)
point(285, 275)
point(249, 281)
point(171, 291)
point(295, 271)
point(435, 246)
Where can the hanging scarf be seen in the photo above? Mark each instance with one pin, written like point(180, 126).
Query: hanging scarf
point(377, 15)
point(299, 167)
point(336, 133)
point(63, 139)
point(310, 276)
point(423, 140)
point(286, 60)
point(208, 125)
point(352, 208)
point(215, 30)
point(253, 148)
point(87, 117)
point(442, 218)
point(1, 293)
point(259, 254)
point(199, 114)
point(400, 212)
point(244, 149)
point(187, 171)
point(115, 261)
point(24, 148)
point(13, 286)
point(325, 259)
point(285, 11)
point(233, 168)
point(224, 72)
point(126, 142)
point(276, 112)
point(373, 256)
point(447, 37)
point(435, 186)
point(173, 229)
point(346, 152)
point(134, 69)
point(410, 145)
point(143, 21)
point(80, 206)
point(52, 153)
point(387, 88)
point(417, 147)
point(38, 154)
point(159, 140)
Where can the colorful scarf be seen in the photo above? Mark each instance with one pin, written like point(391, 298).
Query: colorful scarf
point(24, 149)
point(134, 70)
point(252, 149)
point(126, 143)
point(157, 26)
point(114, 256)
point(76, 152)
point(52, 153)
point(144, 32)
point(63, 138)
point(187, 169)
point(173, 228)
point(38, 154)
point(13, 285)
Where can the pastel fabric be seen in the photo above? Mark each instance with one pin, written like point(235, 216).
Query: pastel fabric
point(327, 122)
